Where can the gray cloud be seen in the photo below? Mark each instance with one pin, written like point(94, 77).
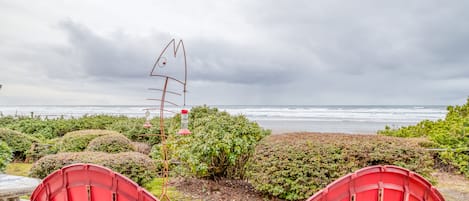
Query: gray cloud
point(372, 36)
point(259, 52)
point(116, 56)
point(218, 61)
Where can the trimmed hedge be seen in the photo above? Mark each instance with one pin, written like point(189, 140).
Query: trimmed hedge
point(142, 147)
point(5, 155)
point(136, 166)
point(295, 166)
point(19, 143)
point(112, 143)
point(77, 141)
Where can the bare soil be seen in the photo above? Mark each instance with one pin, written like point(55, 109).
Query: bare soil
point(222, 190)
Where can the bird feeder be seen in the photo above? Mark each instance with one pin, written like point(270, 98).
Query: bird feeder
point(184, 123)
point(147, 123)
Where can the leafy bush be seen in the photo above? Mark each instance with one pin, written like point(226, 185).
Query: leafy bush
point(157, 155)
point(295, 166)
point(78, 140)
point(5, 155)
point(19, 143)
point(155, 152)
point(112, 143)
point(42, 128)
point(134, 130)
point(45, 128)
point(219, 146)
point(136, 166)
point(6, 120)
point(451, 133)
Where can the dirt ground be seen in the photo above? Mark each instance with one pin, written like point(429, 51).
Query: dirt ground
point(453, 187)
point(223, 190)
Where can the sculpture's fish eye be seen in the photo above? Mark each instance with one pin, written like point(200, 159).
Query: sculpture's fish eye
point(162, 62)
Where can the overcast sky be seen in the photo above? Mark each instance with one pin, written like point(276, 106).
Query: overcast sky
point(238, 52)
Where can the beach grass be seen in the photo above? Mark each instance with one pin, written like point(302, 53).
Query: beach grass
point(18, 169)
point(155, 188)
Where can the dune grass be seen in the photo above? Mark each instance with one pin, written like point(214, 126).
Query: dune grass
point(155, 188)
point(18, 169)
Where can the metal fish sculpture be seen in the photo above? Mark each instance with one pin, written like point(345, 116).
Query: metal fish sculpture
point(173, 55)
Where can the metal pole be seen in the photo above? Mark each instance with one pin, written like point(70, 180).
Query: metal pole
point(163, 145)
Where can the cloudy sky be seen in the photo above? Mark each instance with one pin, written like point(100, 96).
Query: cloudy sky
point(238, 52)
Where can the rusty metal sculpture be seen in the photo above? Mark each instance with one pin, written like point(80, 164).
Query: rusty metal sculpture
point(158, 71)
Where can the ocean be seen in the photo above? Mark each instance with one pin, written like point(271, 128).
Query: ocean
point(282, 118)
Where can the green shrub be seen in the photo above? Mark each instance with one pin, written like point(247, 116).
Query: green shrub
point(451, 133)
point(19, 143)
point(156, 152)
point(136, 166)
point(134, 130)
point(219, 146)
point(97, 121)
point(39, 150)
point(6, 120)
point(45, 128)
point(113, 143)
point(157, 155)
point(5, 155)
point(295, 166)
point(40, 128)
point(78, 140)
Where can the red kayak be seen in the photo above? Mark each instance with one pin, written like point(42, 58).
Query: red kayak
point(379, 183)
point(88, 182)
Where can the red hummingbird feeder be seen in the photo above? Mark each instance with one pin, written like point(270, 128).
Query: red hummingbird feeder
point(184, 123)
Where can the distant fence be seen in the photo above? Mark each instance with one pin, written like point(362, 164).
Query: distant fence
point(68, 116)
